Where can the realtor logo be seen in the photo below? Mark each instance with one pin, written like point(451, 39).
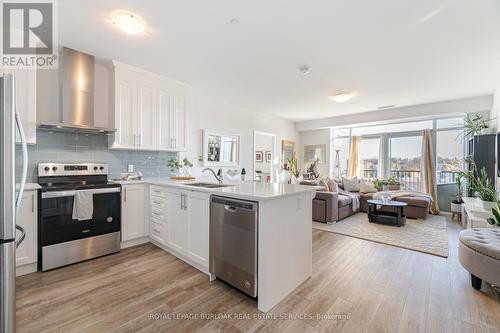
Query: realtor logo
point(28, 34)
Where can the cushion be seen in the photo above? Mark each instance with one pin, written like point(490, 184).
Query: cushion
point(483, 240)
point(366, 186)
point(344, 200)
point(351, 185)
point(332, 185)
point(423, 202)
point(323, 183)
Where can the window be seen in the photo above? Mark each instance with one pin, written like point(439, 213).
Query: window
point(449, 155)
point(368, 157)
point(342, 145)
point(406, 156)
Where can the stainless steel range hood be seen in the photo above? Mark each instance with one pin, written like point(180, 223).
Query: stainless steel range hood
point(76, 94)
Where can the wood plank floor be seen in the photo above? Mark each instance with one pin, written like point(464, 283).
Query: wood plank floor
point(358, 286)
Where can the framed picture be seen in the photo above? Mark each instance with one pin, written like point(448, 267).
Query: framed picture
point(314, 153)
point(259, 156)
point(269, 156)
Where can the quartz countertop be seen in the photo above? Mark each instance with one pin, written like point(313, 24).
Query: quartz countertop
point(243, 190)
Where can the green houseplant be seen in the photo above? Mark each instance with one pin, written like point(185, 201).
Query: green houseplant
point(474, 125)
point(294, 165)
point(496, 213)
point(480, 184)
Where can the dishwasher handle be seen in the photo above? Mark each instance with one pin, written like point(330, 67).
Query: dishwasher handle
point(233, 205)
point(230, 209)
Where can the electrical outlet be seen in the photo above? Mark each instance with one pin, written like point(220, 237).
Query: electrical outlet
point(130, 168)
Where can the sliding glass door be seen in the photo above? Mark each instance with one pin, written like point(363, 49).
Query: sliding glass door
point(368, 157)
point(406, 157)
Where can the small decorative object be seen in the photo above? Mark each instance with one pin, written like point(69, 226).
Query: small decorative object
point(243, 174)
point(259, 156)
point(386, 198)
point(269, 156)
point(175, 168)
point(312, 170)
point(385, 187)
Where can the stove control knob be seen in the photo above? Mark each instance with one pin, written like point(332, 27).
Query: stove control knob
point(54, 168)
point(95, 168)
point(46, 169)
point(101, 168)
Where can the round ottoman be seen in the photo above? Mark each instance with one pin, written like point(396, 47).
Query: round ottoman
point(479, 253)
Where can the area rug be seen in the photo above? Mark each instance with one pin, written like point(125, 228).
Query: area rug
point(428, 236)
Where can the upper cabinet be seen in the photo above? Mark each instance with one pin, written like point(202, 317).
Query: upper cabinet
point(148, 111)
point(26, 102)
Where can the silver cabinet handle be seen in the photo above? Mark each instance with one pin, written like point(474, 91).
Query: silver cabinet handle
point(33, 203)
point(125, 194)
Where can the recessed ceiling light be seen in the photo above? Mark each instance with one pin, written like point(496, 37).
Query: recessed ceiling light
point(129, 23)
point(386, 107)
point(304, 69)
point(342, 97)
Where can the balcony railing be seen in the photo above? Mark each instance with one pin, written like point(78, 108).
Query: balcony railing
point(411, 179)
point(447, 177)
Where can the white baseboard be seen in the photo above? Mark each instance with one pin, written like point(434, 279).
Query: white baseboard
point(134, 242)
point(26, 269)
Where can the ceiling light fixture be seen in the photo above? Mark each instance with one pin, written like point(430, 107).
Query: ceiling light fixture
point(129, 23)
point(342, 97)
point(304, 69)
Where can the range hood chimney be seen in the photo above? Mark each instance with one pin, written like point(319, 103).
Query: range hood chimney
point(76, 94)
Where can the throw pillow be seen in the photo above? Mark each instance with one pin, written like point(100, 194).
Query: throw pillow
point(351, 185)
point(323, 184)
point(366, 187)
point(332, 185)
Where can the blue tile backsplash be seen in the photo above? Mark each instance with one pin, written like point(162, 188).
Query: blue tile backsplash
point(79, 148)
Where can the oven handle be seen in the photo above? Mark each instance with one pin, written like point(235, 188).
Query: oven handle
point(59, 194)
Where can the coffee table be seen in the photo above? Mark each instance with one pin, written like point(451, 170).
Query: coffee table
point(396, 216)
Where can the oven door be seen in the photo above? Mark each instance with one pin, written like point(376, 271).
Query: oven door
point(57, 224)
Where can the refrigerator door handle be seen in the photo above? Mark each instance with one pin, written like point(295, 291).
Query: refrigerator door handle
point(23, 235)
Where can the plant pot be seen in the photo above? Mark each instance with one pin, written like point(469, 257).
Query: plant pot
point(488, 205)
point(456, 207)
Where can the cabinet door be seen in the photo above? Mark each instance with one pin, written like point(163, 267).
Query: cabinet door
point(178, 122)
point(26, 253)
point(125, 115)
point(146, 122)
point(163, 102)
point(133, 212)
point(198, 227)
point(25, 101)
point(176, 221)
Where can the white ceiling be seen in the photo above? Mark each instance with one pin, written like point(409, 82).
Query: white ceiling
point(400, 52)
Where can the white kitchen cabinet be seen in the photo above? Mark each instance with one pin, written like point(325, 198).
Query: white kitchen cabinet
point(27, 218)
point(133, 212)
point(149, 111)
point(125, 114)
point(197, 225)
point(185, 225)
point(26, 101)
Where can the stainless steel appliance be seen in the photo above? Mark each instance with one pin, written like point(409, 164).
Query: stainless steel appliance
point(76, 99)
point(64, 240)
point(9, 202)
point(233, 242)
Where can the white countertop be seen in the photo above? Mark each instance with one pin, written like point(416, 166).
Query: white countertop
point(244, 190)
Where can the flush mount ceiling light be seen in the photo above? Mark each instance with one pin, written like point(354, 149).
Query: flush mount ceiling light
point(304, 69)
point(129, 23)
point(342, 97)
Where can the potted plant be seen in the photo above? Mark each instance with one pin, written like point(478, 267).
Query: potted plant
point(456, 204)
point(293, 165)
point(474, 125)
point(496, 213)
point(174, 166)
point(480, 184)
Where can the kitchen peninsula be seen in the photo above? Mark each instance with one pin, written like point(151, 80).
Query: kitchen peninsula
point(178, 215)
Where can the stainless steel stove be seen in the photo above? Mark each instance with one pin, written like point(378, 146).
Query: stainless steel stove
point(64, 240)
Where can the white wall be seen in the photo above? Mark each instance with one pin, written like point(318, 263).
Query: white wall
point(447, 108)
point(206, 112)
point(317, 137)
point(495, 109)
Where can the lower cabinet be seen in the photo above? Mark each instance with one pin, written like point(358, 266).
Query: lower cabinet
point(133, 212)
point(180, 221)
point(27, 218)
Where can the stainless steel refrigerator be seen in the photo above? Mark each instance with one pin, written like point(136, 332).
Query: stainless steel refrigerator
point(9, 201)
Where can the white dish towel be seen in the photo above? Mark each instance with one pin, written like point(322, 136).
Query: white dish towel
point(83, 205)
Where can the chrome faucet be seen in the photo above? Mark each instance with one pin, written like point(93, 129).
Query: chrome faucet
point(217, 176)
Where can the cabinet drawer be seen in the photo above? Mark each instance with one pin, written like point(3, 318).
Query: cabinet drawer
point(158, 203)
point(159, 215)
point(157, 231)
point(158, 191)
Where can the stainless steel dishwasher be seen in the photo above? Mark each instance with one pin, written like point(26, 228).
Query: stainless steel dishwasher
point(233, 242)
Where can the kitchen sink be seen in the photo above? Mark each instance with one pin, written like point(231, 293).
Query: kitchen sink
point(208, 185)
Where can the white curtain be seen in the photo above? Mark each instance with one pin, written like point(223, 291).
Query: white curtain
point(353, 167)
point(429, 169)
